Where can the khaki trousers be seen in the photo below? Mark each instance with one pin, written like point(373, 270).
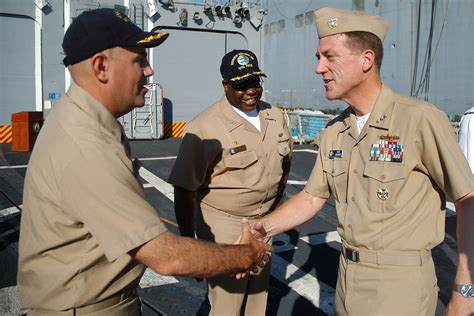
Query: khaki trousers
point(129, 306)
point(227, 295)
point(382, 289)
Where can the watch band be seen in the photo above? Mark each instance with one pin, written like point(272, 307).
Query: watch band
point(466, 290)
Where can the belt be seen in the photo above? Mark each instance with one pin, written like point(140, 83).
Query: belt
point(92, 308)
point(397, 258)
point(261, 215)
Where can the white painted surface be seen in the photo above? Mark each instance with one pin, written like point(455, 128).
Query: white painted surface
point(323, 238)
point(306, 285)
point(161, 185)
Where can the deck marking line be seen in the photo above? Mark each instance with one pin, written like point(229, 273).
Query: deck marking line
point(151, 278)
point(157, 158)
point(9, 211)
point(296, 182)
point(306, 285)
point(324, 238)
point(14, 167)
point(305, 150)
point(161, 185)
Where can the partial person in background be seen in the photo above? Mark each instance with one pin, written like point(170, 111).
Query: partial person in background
point(233, 163)
point(466, 136)
point(87, 232)
point(390, 162)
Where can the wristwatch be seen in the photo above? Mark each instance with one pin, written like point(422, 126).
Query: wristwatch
point(466, 290)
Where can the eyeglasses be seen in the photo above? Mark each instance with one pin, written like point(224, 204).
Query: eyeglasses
point(247, 84)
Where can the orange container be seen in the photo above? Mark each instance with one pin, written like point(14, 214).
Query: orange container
point(25, 129)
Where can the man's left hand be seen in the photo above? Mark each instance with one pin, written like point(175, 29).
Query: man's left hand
point(460, 306)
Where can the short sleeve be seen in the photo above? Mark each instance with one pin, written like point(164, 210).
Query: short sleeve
point(441, 155)
point(317, 184)
point(195, 156)
point(466, 137)
point(101, 190)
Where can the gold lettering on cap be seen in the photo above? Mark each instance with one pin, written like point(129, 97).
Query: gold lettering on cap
point(121, 16)
point(332, 22)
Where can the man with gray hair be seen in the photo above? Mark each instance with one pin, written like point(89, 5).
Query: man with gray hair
point(389, 161)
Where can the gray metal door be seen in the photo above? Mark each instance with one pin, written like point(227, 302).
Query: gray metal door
point(187, 65)
point(17, 66)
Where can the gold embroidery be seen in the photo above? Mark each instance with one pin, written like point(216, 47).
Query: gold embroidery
point(389, 137)
point(247, 75)
point(152, 37)
point(122, 17)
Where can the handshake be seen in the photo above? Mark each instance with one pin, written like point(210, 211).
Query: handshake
point(260, 251)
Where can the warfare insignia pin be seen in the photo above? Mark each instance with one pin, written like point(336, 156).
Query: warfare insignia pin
point(332, 23)
point(389, 137)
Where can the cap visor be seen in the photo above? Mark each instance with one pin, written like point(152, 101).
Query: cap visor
point(147, 39)
point(247, 76)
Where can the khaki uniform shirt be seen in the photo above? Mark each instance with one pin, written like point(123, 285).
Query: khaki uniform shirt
point(84, 210)
point(234, 167)
point(399, 204)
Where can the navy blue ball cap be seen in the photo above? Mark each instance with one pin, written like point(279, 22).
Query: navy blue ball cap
point(97, 30)
point(240, 65)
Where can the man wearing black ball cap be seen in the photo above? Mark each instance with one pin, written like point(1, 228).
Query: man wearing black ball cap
point(86, 231)
point(233, 163)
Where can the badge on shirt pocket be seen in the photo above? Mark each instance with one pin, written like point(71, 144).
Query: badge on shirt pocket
point(237, 149)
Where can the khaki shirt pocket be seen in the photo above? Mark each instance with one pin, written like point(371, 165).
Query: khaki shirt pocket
point(386, 185)
point(242, 171)
point(283, 147)
point(240, 160)
point(336, 173)
point(386, 171)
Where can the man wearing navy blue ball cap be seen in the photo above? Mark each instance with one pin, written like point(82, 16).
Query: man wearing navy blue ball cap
point(233, 163)
point(86, 230)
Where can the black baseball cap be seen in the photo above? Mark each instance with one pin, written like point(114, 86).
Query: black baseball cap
point(97, 30)
point(240, 65)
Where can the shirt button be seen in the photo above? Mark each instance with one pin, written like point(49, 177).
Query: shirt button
point(353, 199)
point(355, 171)
point(382, 176)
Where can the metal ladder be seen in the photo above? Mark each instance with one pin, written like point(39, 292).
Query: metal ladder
point(143, 118)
